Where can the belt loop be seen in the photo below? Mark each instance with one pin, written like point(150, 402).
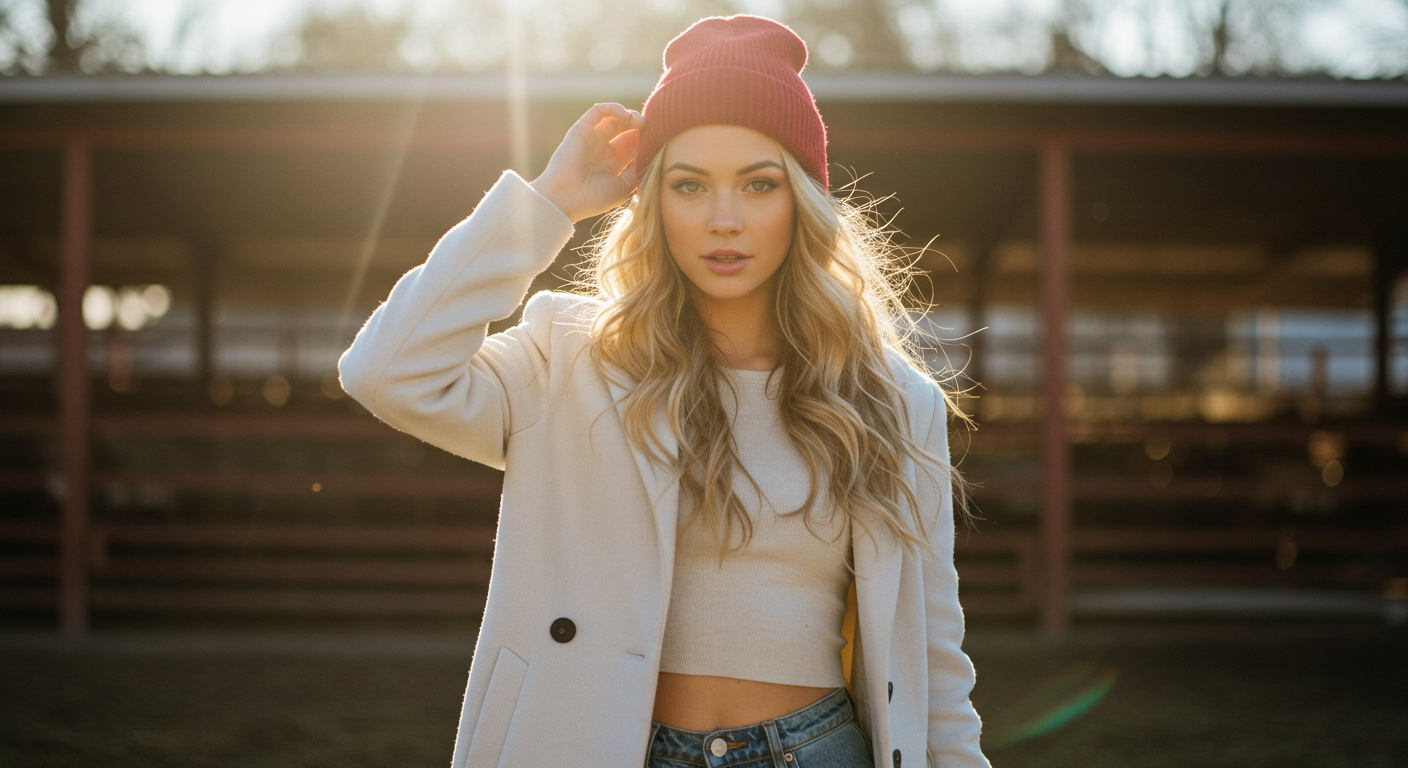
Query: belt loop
point(774, 744)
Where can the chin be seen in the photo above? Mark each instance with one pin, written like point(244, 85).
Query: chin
point(725, 292)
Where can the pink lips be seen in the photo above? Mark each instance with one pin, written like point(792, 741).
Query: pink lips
point(726, 261)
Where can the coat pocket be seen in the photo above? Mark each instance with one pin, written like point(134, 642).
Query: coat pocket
point(497, 713)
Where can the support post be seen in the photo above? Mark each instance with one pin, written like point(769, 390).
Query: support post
point(1390, 259)
point(1055, 237)
point(978, 300)
point(203, 257)
point(74, 384)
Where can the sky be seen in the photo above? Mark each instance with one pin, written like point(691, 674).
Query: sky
point(1348, 37)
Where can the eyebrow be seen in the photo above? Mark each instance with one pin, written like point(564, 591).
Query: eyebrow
point(741, 171)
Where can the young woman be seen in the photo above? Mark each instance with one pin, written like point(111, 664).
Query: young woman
point(702, 459)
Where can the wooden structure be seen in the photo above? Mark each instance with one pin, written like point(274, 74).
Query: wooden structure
point(253, 177)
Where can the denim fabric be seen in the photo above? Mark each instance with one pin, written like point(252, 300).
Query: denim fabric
point(824, 734)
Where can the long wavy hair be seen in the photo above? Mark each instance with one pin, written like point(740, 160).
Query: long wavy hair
point(839, 309)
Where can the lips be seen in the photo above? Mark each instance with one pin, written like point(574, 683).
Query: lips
point(726, 261)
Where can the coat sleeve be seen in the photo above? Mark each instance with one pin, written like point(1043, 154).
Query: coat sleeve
point(953, 723)
point(422, 363)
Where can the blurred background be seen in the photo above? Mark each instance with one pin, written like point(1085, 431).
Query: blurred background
point(1164, 252)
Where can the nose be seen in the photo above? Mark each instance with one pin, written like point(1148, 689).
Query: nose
point(723, 219)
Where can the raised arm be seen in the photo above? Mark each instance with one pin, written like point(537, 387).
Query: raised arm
point(423, 364)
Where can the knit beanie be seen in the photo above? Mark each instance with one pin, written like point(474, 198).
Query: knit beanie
point(737, 70)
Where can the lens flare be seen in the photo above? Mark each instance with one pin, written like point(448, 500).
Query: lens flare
point(405, 128)
point(1055, 703)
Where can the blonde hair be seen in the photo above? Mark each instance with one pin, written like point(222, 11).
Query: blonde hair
point(839, 307)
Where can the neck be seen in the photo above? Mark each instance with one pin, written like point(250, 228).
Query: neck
point(742, 328)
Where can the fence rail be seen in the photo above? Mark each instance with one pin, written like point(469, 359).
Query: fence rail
point(444, 570)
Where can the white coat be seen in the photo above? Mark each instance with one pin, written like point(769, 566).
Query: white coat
point(586, 530)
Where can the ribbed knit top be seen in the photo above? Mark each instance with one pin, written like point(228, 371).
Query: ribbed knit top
point(771, 611)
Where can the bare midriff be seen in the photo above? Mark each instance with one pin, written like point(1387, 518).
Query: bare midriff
point(708, 703)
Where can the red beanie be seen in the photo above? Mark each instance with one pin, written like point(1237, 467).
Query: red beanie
point(737, 70)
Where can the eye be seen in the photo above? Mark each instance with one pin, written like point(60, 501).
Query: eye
point(761, 185)
point(688, 186)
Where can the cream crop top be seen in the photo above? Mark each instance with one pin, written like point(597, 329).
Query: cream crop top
point(773, 611)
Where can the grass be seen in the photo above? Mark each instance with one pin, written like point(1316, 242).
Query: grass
point(1278, 696)
point(1150, 697)
point(76, 708)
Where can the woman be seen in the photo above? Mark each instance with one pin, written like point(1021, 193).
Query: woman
point(702, 458)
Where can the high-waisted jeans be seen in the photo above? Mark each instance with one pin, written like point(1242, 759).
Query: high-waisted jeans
point(824, 734)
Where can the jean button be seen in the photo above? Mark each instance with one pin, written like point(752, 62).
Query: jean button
point(718, 747)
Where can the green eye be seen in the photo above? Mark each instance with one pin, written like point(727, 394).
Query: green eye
point(689, 186)
point(760, 185)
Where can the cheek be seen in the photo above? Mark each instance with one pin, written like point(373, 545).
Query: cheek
point(777, 231)
point(678, 228)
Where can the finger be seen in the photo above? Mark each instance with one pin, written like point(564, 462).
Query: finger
point(586, 126)
point(599, 112)
point(625, 144)
point(611, 157)
point(629, 118)
point(624, 149)
point(611, 127)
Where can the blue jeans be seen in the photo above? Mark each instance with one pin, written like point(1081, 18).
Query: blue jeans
point(824, 734)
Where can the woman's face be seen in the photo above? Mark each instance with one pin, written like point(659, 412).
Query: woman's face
point(727, 210)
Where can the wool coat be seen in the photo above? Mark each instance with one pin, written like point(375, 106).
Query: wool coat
point(565, 666)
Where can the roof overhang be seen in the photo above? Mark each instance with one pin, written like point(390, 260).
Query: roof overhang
point(863, 87)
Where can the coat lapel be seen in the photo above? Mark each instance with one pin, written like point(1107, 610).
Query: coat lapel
point(661, 485)
point(877, 562)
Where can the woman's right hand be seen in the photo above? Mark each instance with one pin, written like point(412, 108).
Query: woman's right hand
point(591, 171)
